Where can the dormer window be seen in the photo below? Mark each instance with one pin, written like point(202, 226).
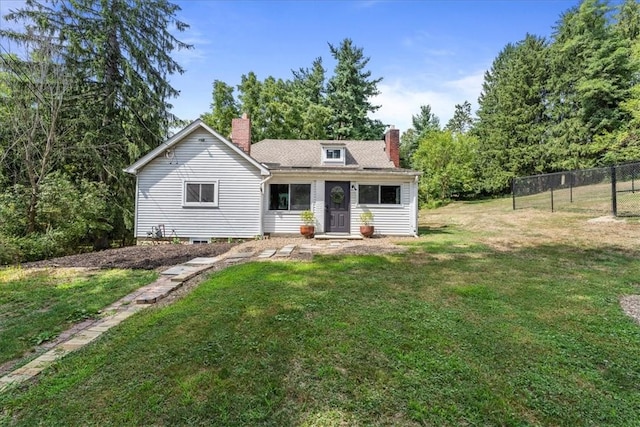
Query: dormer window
point(333, 154)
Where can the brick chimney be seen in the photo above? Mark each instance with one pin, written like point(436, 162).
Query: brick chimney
point(392, 145)
point(241, 133)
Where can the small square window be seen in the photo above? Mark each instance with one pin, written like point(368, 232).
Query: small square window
point(390, 194)
point(201, 194)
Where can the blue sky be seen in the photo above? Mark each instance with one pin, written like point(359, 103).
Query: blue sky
point(427, 52)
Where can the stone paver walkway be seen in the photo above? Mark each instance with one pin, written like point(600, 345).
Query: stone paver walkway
point(144, 297)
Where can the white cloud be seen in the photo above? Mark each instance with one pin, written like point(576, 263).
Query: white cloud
point(402, 98)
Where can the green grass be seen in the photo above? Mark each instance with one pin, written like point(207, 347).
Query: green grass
point(451, 333)
point(36, 305)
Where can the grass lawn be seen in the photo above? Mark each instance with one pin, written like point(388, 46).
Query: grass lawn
point(36, 305)
point(456, 331)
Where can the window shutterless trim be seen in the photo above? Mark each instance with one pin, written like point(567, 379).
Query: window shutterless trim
point(288, 208)
point(379, 195)
point(200, 204)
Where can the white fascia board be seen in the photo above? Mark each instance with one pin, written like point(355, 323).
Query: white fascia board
point(144, 160)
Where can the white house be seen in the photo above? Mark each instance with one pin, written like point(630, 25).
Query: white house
point(198, 185)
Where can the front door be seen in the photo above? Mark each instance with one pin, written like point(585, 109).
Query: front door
point(336, 198)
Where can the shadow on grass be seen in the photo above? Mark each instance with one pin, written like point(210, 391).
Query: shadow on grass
point(481, 338)
point(424, 231)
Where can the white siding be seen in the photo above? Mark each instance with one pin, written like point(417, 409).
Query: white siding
point(288, 222)
point(398, 220)
point(160, 191)
point(392, 220)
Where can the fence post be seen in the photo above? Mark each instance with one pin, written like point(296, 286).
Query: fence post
point(513, 192)
point(614, 201)
point(571, 187)
point(552, 198)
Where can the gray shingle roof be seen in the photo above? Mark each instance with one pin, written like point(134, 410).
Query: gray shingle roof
point(289, 153)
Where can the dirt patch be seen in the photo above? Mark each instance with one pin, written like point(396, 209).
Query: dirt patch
point(145, 257)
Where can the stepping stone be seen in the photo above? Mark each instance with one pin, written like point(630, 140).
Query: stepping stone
point(286, 251)
point(202, 261)
point(267, 253)
point(178, 269)
point(243, 255)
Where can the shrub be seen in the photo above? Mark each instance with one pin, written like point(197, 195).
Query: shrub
point(67, 214)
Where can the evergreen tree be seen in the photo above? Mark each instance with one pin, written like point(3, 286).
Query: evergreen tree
point(591, 77)
point(310, 100)
point(349, 94)
point(119, 53)
point(624, 144)
point(462, 120)
point(512, 118)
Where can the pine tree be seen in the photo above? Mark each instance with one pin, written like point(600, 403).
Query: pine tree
point(512, 118)
point(591, 77)
point(462, 120)
point(349, 94)
point(119, 54)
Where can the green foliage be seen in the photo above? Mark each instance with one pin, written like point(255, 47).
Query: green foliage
point(305, 107)
point(68, 214)
point(102, 70)
point(307, 217)
point(447, 163)
point(349, 91)
point(423, 124)
point(462, 120)
point(562, 104)
point(512, 122)
point(366, 218)
point(224, 108)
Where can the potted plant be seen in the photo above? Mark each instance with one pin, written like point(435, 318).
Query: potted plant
point(366, 229)
point(307, 229)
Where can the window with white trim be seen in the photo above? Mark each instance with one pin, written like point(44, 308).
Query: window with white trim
point(379, 194)
point(203, 194)
point(289, 197)
point(333, 155)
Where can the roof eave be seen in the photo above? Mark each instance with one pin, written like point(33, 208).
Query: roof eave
point(345, 171)
point(147, 158)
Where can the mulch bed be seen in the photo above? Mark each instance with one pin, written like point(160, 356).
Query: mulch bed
point(146, 257)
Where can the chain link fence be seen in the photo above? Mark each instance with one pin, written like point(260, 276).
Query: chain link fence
point(612, 190)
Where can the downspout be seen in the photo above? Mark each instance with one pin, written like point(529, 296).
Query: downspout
point(262, 191)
